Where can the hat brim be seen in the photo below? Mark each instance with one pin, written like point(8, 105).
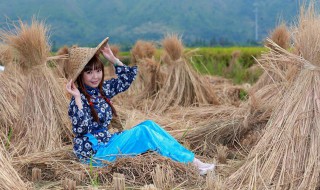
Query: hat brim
point(91, 52)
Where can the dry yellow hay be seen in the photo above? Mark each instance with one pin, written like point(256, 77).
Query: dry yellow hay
point(9, 177)
point(138, 171)
point(5, 55)
point(281, 36)
point(286, 157)
point(42, 123)
point(149, 81)
point(276, 72)
point(62, 66)
point(183, 85)
point(142, 49)
point(173, 47)
point(162, 177)
point(28, 43)
point(11, 90)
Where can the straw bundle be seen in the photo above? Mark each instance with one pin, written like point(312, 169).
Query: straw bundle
point(62, 66)
point(149, 81)
point(281, 36)
point(287, 155)
point(173, 47)
point(43, 123)
point(29, 44)
point(142, 49)
point(11, 90)
point(276, 72)
point(9, 177)
point(226, 128)
point(183, 86)
point(149, 77)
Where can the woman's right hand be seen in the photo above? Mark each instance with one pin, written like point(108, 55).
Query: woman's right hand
point(72, 89)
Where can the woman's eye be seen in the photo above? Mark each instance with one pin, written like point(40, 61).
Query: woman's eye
point(99, 70)
point(88, 72)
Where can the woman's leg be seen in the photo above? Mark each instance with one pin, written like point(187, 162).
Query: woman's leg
point(145, 136)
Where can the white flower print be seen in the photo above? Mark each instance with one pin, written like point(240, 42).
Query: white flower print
point(79, 130)
point(87, 145)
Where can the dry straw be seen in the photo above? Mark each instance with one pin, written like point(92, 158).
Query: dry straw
point(11, 90)
point(29, 44)
point(9, 177)
point(279, 71)
point(163, 177)
point(183, 85)
point(137, 171)
point(43, 123)
point(142, 49)
point(286, 157)
point(149, 81)
point(281, 36)
point(150, 78)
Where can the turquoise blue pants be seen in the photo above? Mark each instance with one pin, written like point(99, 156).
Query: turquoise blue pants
point(146, 136)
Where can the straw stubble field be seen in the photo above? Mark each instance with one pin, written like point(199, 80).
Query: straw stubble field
point(267, 140)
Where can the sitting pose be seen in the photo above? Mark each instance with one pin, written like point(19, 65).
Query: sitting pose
point(91, 111)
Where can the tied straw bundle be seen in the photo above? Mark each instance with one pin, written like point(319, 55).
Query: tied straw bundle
point(287, 156)
point(276, 72)
point(150, 78)
point(43, 123)
point(183, 86)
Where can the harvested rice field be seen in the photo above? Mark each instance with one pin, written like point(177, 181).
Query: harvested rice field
point(261, 135)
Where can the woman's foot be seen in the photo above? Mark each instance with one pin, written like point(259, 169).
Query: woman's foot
point(203, 167)
point(204, 171)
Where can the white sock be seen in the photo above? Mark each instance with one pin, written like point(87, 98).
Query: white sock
point(201, 165)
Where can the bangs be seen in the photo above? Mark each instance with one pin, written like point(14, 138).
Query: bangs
point(94, 64)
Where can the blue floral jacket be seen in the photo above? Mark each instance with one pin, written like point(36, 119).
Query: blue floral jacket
point(82, 120)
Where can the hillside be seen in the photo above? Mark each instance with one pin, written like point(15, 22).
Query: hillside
point(205, 22)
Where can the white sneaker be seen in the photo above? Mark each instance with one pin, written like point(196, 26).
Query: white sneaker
point(204, 170)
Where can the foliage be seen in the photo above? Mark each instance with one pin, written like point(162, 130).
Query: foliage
point(216, 61)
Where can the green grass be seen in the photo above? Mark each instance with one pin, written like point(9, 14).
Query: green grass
point(215, 61)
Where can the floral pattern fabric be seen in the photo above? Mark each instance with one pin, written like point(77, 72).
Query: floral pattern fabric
point(82, 120)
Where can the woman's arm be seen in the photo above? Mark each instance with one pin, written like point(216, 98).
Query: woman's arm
point(79, 112)
point(107, 53)
point(81, 119)
point(74, 91)
point(126, 75)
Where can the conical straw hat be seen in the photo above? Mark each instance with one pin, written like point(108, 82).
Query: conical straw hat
point(79, 57)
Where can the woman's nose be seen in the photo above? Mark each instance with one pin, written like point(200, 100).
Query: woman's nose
point(95, 74)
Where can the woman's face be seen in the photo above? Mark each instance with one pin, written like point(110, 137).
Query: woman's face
point(92, 77)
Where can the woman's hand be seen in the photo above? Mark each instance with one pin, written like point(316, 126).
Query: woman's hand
point(107, 53)
point(72, 89)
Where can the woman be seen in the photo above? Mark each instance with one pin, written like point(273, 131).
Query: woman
point(91, 111)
